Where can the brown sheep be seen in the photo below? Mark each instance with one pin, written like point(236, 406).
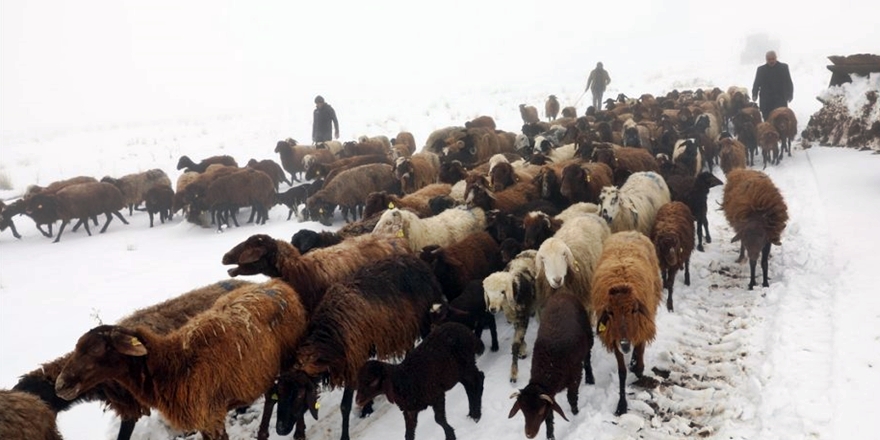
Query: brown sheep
point(504, 175)
point(768, 140)
point(183, 181)
point(757, 212)
point(732, 154)
point(195, 192)
point(418, 202)
point(746, 132)
point(538, 227)
point(318, 156)
point(272, 169)
point(242, 339)
point(584, 182)
point(508, 201)
point(785, 122)
point(54, 187)
point(624, 161)
point(472, 258)
point(481, 122)
point(364, 147)
point(416, 171)
point(313, 273)
point(186, 163)
point(405, 138)
point(349, 191)
point(246, 187)
point(673, 237)
point(551, 108)
point(437, 139)
point(159, 200)
point(22, 206)
point(25, 416)
point(292, 156)
point(162, 318)
point(134, 186)
point(569, 112)
point(625, 295)
point(474, 146)
point(529, 114)
point(82, 202)
point(328, 171)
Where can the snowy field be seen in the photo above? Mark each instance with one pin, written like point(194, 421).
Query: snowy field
point(796, 360)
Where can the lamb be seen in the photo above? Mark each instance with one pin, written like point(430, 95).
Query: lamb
point(687, 153)
point(566, 261)
point(298, 195)
point(562, 349)
point(569, 112)
point(159, 200)
point(296, 394)
point(25, 416)
point(551, 108)
point(673, 237)
point(626, 292)
point(177, 373)
point(529, 114)
point(768, 140)
point(417, 171)
point(381, 311)
point(6, 219)
point(472, 258)
point(444, 358)
point(469, 309)
point(305, 240)
point(272, 169)
point(785, 122)
point(757, 212)
point(513, 291)
point(186, 163)
point(418, 202)
point(584, 182)
point(624, 161)
point(349, 191)
point(82, 202)
point(733, 154)
point(313, 273)
point(162, 318)
point(442, 229)
point(634, 205)
point(481, 122)
point(694, 192)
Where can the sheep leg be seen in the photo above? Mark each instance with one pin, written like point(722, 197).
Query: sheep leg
point(518, 348)
point(95, 220)
point(45, 234)
point(439, 408)
point(345, 409)
point(268, 405)
point(621, 377)
point(119, 216)
point(85, 223)
point(493, 330)
point(669, 281)
point(234, 219)
point(473, 379)
point(765, 257)
point(742, 256)
point(687, 273)
point(699, 233)
point(253, 214)
point(126, 427)
point(638, 360)
point(411, 418)
point(705, 223)
point(548, 424)
point(151, 218)
point(61, 230)
point(367, 409)
point(109, 218)
point(290, 213)
point(588, 368)
point(16, 235)
point(571, 393)
point(77, 225)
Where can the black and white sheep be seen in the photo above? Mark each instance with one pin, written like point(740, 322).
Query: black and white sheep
point(634, 205)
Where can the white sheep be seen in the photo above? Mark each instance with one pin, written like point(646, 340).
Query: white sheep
point(687, 152)
point(442, 229)
point(521, 142)
point(634, 205)
point(566, 261)
point(334, 146)
point(513, 291)
point(577, 210)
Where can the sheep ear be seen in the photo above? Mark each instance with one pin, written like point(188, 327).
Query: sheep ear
point(251, 255)
point(312, 401)
point(513, 410)
point(735, 238)
point(127, 344)
point(554, 405)
point(603, 323)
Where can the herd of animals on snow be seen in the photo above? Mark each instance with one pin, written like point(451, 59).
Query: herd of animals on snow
point(582, 221)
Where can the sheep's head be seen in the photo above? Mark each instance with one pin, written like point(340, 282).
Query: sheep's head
point(625, 321)
point(521, 142)
point(509, 249)
point(279, 147)
point(452, 171)
point(669, 249)
point(373, 380)
point(321, 209)
point(439, 204)
point(707, 180)
point(377, 202)
point(297, 393)
point(535, 403)
point(100, 355)
point(604, 154)
point(502, 176)
point(547, 183)
point(479, 196)
point(498, 289)
point(256, 255)
point(393, 222)
point(403, 172)
point(502, 226)
point(609, 203)
point(542, 145)
point(631, 137)
point(304, 240)
point(186, 162)
point(538, 228)
point(308, 161)
point(43, 208)
point(554, 259)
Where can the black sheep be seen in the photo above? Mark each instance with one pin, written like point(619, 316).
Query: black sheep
point(561, 349)
point(296, 196)
point(301, 396)
point(6, 219)
point(469, 309)
point(443, 359)
point(305, 240)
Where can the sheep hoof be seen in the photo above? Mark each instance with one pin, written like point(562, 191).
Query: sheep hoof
point(700, 248)
point(621, 408)
point(494, 347)
point(708, 239)
point(765, 284)
point(512, 380)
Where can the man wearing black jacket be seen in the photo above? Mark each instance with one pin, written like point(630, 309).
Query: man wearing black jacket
point(773, 85)
point(324, 116)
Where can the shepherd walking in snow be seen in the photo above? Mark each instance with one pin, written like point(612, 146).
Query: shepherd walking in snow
point(597, 82)
point(324, 116)
point(773, 85)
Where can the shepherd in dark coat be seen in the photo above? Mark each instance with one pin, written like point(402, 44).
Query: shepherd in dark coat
point(324, 116)
point(773, 85)
point(598, 81)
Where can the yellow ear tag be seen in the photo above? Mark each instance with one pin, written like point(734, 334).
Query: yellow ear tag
point(135, 342)
point(601, 328)
point(577, 267)
point(400, 234)
point(317, 405)
point(589, 176)
point(275, 396)
point(680, 250)
point(390, 205)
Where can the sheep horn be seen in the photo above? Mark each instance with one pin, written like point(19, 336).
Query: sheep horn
point(546, 398)
point(514, 395)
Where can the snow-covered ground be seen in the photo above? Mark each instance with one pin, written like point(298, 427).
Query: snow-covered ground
point(796, 360)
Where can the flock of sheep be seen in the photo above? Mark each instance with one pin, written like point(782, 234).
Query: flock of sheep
point(582, 221)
